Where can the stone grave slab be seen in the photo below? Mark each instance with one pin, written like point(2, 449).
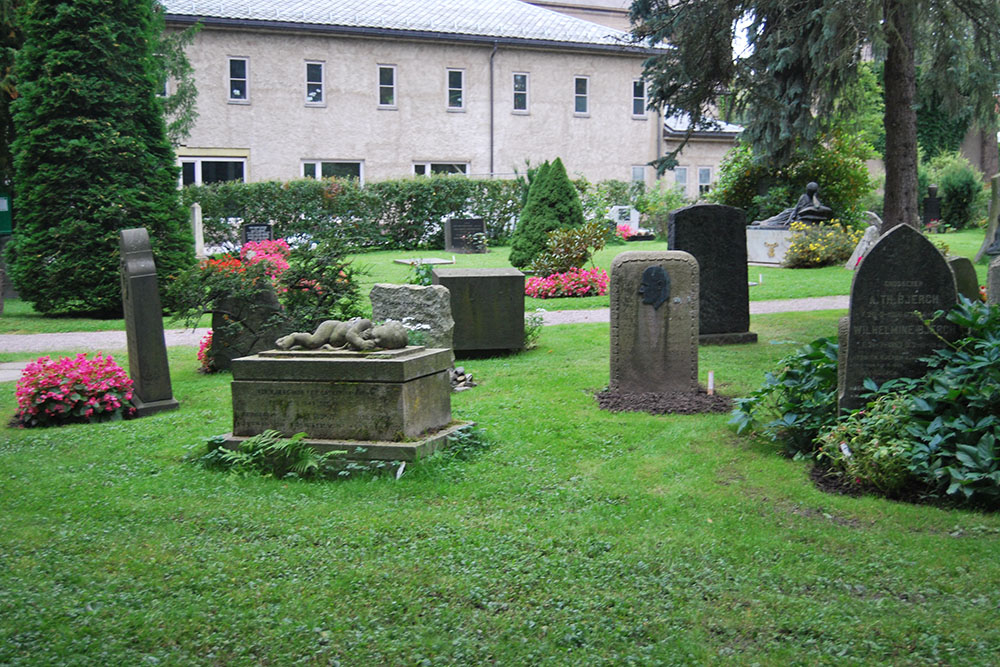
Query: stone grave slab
point(715, 236)
point(487, 306)
point(901, 282)
point(768, 246)
point(147, 347)
point(654, 322)
point(424, 260)
point(458, 234)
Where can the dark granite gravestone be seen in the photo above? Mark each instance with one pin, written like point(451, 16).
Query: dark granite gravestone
point(458, 235)
point(932, 206)
point(487, 306)
point(717, 237)
point(256, 233)
point(147, 347)
point(966, 280)
point(654, 322)
point(899, 285)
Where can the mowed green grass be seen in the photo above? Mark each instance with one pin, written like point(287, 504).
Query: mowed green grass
point(578, 537)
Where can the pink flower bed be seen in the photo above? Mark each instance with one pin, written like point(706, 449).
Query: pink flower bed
point(273, 253)
point(575, 282)
point(73, 390)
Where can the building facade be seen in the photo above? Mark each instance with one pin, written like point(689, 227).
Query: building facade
point(381, 89)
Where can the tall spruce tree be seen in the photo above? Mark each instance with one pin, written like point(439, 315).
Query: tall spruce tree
point(806, 54)
point(91, 155)
point(553, 203)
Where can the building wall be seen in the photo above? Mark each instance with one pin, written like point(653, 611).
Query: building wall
point(276, 130)
point(700, 153)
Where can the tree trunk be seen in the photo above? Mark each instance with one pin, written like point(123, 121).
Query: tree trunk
point(900, 205)
point(990, 161)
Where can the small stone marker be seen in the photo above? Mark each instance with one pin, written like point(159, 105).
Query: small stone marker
point(966, 280)
point(901, 282)
point(768, 246)
point(147, 347)
point(864, 245)
point(992, 239)
point(654, 322)
point(428, 307)
point(255, 233)
point(993, 283)
point(932, 206)
point(458, 235)
point(198, 230)
point(487, 306)
point(716, 236)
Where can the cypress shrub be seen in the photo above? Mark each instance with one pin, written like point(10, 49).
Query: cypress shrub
point(553, 203)
point(963, 200)
point(91, 155)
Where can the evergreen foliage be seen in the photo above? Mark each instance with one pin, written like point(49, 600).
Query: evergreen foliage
point(91, 154)
point(553, 203)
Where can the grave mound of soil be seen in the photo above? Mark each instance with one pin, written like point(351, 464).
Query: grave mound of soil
point(671, 403)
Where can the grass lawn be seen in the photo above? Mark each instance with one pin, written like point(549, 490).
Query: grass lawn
point(579, 537)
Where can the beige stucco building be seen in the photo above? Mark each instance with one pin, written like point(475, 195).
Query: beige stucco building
point(385, 89)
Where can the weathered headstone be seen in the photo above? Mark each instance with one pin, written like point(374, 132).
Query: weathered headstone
point(716, 236)
point(255, 233)
point(428, 307)
point(459, 235)
point(900, 284)
point(864, 245)
point(147, 347)
point(932, 206)
point(240, 328)
point(966, 280)
point(993, 283)
point(198, 230)
point(992, 222)
point(654, 322)
point(768, 246)
point(487, 306)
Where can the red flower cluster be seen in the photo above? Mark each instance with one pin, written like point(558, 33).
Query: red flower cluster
point(575, 282)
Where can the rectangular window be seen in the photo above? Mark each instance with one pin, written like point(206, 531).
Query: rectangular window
point(456, 89)
point(428, 168)
point(204, 171)
point(314, 83)
point(681, 179)
point(704, 180)
point(332, 169)
point(239, 80)
point(520, 91)
point(387, 86)
point(639, 174)
point(581, 90)
point(638, 98)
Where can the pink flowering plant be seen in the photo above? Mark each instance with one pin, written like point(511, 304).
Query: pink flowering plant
point(575, 282)
point(205, 361)
point(73, 390)
point(273, 254)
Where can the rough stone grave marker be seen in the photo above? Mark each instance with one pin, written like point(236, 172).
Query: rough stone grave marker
point(459, 235)
point(900, 283)
point(717, 237)
point(147, 347)
point(864, 245)
point(966, 280)
point(993, 283)
point(427, 306)
point(991, 244)
point(654, 322)
point(487, 306)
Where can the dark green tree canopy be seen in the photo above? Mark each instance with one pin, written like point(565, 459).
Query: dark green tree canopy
point(553, 203)
point(91, 154)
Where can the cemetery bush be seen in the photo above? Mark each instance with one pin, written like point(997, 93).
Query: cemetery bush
point(91, 155)
point(570, 248)
point(816, 245)
point(73, 390)
point(655, 206)
point(837, 164)
point(960, 187)
point(553, 203)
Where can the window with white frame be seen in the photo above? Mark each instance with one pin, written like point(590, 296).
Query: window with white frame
point(239, 80)
point(638, 174)
point(521, 92)
point(638, 98)
point(429, 168)
point(681, 179)
point(387, 86)
point(333, 169)
point(456, 89)
point(704, 180)
point(207, 170)
point(581, 95)
point(314, 83)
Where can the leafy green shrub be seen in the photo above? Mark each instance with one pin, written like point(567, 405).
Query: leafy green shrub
point(800, 401)
point(553, 203)
point(655, 206)
point(91, 155)
point(570, 248)
point(533, 323)
point(820, 245)
point(420, 274)
point(267, 454)
point(963, 199)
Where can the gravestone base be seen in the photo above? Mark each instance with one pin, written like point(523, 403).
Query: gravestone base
point(488, 308)
point(768, 246)
point(375, 450)
point(340, 396)
point(727, 338)
point(144, 409)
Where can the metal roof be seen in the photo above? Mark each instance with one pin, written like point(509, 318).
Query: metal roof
point(505, 20)
point(678, 125)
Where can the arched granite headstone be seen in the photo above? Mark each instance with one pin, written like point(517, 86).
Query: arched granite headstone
point(902, 281)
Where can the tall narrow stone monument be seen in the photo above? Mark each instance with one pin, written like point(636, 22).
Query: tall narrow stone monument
point(991, 244)
point(147, 347)
point(654, 322)
point(902, 281)
point(717, 237)
point(993, 283)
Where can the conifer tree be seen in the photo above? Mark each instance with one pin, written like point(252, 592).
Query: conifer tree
point(553, 203)
point(91, 155)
